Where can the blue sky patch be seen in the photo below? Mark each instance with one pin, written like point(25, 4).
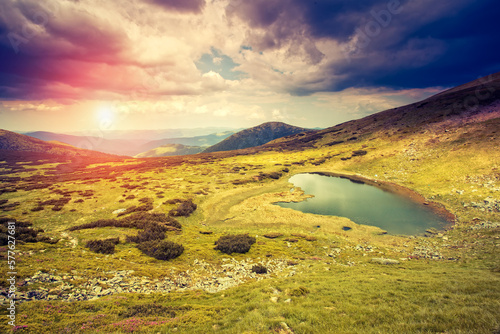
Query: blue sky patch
point(220, 63)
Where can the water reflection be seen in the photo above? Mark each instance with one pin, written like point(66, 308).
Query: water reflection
point(363, 204)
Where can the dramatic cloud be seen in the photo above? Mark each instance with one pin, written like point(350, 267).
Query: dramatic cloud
point(256, 56)
point(181, 5)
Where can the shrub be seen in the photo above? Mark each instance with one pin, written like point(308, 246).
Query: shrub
point(185, 209)
point(23, 233)
point(138, 220)
point(141, 208)
point(106, 246)
point(359, 153)
point(234, 243)
point(300, 291)
point(151, 232)
point(161, 249)
point(259, 269)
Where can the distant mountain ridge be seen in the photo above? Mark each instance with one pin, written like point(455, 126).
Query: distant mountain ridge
point(256, 136)
point(11, 141)
point(129, 147)
point(202, 141)
point(110, 146)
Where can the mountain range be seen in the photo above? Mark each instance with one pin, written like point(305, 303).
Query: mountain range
point(471, 111)
point(129, 147)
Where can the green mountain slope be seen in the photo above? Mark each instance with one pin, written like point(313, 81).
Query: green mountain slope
point(255, 136)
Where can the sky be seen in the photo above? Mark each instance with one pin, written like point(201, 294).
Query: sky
point(93, 65)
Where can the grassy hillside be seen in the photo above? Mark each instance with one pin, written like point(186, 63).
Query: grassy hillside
point(256, 136)
point(170, 150)
point(11, 141)
point(320, 278)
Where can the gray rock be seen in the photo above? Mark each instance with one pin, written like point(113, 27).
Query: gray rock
point(381, 260)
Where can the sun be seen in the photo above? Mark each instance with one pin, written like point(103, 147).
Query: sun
point(105, 116)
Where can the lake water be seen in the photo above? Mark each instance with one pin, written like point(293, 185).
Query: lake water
point(363, 204)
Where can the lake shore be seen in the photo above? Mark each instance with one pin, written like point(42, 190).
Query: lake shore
point(437, 208)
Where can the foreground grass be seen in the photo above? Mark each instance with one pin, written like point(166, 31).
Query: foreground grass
point(414, 297)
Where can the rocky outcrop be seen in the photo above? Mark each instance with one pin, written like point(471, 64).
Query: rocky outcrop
point(203, 276)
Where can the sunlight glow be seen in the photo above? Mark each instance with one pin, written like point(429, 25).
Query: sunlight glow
point(105, 116)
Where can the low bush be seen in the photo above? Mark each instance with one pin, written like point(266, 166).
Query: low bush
point(106, 246)
point(139, 220)
point(151, 232)
point(272, 175)
point(24, 233)
point(300, 291)
point(185, 209)
point(359, 153)
point(234, 243)
point(259, 269)
point(141, 208)
point(9, 206)
point(161, 249)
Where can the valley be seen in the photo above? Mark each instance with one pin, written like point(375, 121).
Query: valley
point(322, 272)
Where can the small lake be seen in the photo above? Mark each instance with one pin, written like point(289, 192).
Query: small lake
point(363, 204)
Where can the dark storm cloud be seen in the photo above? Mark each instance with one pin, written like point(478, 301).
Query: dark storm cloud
point(42, 46)
point(277, 24)
point(193, 6)
point(419, 44)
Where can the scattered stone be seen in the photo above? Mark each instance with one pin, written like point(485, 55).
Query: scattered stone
point(203, 276)
point(384, 261)
point(485, 225)
point(489, 204)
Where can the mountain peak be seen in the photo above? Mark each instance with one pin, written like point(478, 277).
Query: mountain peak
point(256, 136)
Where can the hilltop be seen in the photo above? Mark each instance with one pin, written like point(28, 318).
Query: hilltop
point(255, 136)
